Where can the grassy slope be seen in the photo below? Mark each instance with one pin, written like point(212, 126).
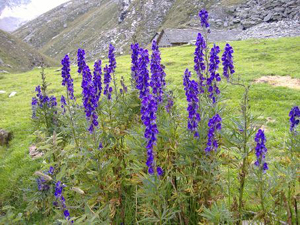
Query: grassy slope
point(253, 59)
point(19, 55)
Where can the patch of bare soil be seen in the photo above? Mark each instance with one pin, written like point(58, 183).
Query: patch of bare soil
point(280, 81)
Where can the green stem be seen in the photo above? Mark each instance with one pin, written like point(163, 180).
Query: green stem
point(71, 119)
point(115, 85)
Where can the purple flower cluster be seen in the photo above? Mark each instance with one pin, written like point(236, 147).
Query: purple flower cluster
point(203, 14)
point(214, 75)
point(199, 66)
point(227, 58)
point(97, 79)
point(65, 73)
point(42, 101)
point(191, 92)
point(60, 200)
point(260, 150)
point(157, 73)
point(134, 61)
point(63, 103)
point(294, 118)
point(81, 60)
point(42, 183)
point(111, 58)
point(142, 81)
point(148, 112)
point(107, 79)
point(214, 125)
point(90, 101)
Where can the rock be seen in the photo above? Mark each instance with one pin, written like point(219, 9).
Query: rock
point(1, 62)
point(12, 94)
point(65, 25)
point(3, 71)
point(5, 137)
point(2, 92)
point(279, 9)
point(268, 17)
point(34, 152)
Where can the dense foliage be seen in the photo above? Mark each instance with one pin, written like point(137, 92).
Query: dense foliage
point(126, 156)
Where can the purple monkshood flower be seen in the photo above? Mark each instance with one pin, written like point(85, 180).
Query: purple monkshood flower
point(81, 60)
point(100, 146)
point(214, 75)
point(42, 183)
point(227, 58)
point(157, 74)
point(67, 80)
point(107, 79)
point(214, 125)
point(97, 79)
point(203, 14)
point(261, 150)
point(63, 103)
point(199, 66)
point(148, 116)
point(134, 61)
point(89, 99)
point(60, 200)
point(294, 118)
point(191, 92)
point(142, 82)
point(42, 101)
point(160, 171)
point(111, 58)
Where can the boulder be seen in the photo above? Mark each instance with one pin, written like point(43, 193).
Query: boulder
point(268, 17)
point(5, 137)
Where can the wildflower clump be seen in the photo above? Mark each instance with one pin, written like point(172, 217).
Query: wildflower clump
point(67, 80)
point(89, 99)
point(260, 150)
point(214, 125)
point(214, 75)
point(191, 92)
point(199, 61)
point(294, 118)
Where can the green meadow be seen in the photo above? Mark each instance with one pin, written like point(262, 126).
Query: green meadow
point(253, 59)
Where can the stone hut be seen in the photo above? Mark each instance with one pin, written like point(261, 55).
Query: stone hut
point(175, 37)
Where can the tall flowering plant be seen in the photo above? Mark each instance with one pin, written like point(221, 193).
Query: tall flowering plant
point(97, 79)
point(44, 108)
point(191, 92)
point(67, 81)
point(142, 82)
point(199, 61)
point(260, 152)
point(134, 62)
point(81, 60)
point(211, 82)
point(148, 116)
point(89, 100)
point(157, 74)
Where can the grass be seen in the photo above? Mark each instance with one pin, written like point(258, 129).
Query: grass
point(253, 59)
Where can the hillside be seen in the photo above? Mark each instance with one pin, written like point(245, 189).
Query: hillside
point(16, 55)
point(93, 24)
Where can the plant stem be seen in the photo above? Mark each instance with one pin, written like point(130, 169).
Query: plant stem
point(115, 85)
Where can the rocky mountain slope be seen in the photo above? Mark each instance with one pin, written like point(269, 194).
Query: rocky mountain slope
point(16, 55)
point(93, 24)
